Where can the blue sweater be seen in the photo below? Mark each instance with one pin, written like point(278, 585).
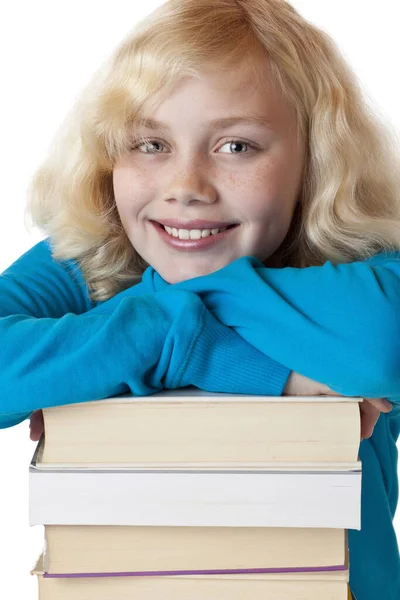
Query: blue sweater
point(241, 330)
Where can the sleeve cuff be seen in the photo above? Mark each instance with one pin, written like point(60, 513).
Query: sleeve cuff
point(222, 361)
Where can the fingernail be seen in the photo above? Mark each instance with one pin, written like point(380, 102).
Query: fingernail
point(388, 404)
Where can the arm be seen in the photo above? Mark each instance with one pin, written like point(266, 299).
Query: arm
point(57, 349)
point(336, 324)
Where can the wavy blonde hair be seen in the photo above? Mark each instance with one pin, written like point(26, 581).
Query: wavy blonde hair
point(349, 204)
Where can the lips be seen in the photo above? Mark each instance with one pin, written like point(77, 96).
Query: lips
point(202, 243)
point(195, 224)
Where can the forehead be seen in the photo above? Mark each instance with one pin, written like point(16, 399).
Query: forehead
point(218, 93)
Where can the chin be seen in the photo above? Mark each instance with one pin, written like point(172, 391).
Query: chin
point(182, 270)
point(185, 274)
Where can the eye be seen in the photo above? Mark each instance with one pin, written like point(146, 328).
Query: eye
point(146, 144)
point(235, 144)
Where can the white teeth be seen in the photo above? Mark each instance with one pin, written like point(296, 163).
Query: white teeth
point(192, 234)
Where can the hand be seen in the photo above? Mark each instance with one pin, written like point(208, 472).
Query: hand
point(299, 385)
point(370, 408)
point(36, 425)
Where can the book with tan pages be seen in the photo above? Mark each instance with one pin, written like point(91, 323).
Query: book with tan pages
point(190, 494)
point(302, 586)
point(92, 549)
point(189, 428)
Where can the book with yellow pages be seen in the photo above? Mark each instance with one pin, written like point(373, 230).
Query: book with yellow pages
point(188, 428)
point(328, 585)
point(93, 549)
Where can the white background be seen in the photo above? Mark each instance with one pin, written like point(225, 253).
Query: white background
point(48, 51)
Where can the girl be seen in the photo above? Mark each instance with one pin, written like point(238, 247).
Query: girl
point(170, 261)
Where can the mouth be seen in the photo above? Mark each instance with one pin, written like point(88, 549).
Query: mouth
point(194, 235)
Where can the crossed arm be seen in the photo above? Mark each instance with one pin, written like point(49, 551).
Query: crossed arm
point(306, 317)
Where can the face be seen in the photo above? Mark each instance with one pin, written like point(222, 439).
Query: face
point(199, 194)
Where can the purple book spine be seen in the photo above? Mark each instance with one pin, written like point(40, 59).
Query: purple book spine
point(199, 572)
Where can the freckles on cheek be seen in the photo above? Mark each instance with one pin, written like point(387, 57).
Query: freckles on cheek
point(269, 176)
point(129, 186)
point(237, 181)
point(274, 179)
point(261, 189)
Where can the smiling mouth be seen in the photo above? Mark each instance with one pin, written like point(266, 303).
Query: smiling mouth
point(193, 234)
point(194, 238)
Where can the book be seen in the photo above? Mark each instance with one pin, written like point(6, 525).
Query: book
point(38, 463)
point(93, 549)
point(195, 498)
point(189, 428)
point(187, 494)
point(302, 586)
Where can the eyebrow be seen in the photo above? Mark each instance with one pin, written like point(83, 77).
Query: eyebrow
point(216, 123)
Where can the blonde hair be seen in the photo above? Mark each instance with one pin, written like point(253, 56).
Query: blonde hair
point(349, 203)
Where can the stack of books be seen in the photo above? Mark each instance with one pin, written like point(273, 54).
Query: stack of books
point(191, 495)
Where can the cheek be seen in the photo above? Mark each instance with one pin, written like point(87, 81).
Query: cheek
point(278, 184)
point(262, 193)
point(129, 191)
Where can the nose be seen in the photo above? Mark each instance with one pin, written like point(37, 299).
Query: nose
point(191, 184)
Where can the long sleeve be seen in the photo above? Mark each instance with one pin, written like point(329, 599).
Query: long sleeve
point(337, 324)
point(57, 348)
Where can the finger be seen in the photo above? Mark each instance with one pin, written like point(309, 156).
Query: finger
point(36, 431)
point(34, 419)
point(35, 434)
point(36, 425)
point(380, 404)
point(369, 416)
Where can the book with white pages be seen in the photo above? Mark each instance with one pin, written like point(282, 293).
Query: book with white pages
point(262, 498)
